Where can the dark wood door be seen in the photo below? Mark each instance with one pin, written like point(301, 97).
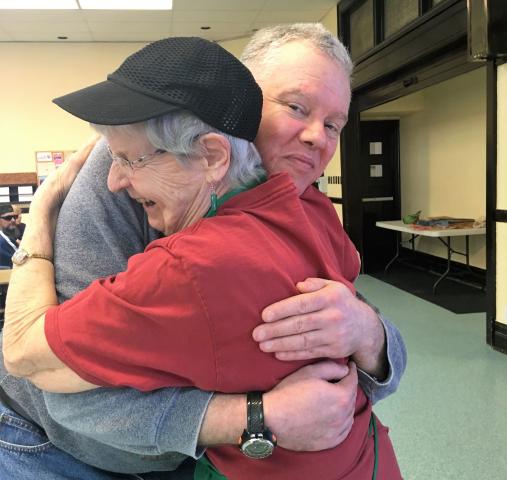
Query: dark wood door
point(380, 187)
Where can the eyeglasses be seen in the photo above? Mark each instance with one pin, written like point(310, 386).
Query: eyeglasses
point(9, 217)
point(134, 164)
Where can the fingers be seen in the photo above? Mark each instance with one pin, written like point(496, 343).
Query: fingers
point(349, 382)
point(311, 285)
point(297, 305)
point(293, 325)
point(319, 294)
point(306, 336)
point(311, 353)
point(304, 345)
point(324, 370)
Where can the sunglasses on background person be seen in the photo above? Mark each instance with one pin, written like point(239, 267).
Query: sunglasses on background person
point(9, 217)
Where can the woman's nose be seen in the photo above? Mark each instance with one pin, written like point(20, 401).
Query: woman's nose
point(118, 179)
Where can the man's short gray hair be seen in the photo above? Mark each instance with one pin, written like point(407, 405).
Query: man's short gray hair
point(178, 133)
point(261, 49)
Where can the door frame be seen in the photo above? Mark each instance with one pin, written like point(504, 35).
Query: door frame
point(426, 60)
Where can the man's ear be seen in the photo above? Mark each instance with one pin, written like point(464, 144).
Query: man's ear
point(217, 156)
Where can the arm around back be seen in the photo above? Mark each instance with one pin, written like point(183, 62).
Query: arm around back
point(96, 233)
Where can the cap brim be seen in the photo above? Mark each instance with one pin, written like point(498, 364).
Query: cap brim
point(108, 103)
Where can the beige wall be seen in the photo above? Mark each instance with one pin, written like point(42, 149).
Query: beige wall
point(330, 21)
point(443, 158)
point(501, 234)
point(33, 74)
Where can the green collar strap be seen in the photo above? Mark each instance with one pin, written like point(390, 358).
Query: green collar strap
point(231, 193)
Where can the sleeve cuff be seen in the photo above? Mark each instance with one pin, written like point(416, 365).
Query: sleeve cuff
point(179, 428)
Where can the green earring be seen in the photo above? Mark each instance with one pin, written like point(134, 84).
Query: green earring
point(213, 202)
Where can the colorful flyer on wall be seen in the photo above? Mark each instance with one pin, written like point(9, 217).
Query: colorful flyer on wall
point(58, 158)
point(44, 156)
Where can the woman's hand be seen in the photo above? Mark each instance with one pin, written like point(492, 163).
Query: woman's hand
point(32, 285)
point(51, 194)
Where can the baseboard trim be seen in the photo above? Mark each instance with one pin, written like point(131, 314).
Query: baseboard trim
point(500, 337)
point(426, 258)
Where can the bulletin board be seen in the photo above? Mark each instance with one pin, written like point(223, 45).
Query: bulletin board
point(48, 161)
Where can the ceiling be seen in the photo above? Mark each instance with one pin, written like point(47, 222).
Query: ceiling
point(226, 19)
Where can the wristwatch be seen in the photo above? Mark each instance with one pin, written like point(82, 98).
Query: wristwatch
point(21, 256)
point(257, 440)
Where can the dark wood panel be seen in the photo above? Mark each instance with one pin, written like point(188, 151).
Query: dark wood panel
point(434, 32)
point(500, 337)
point(491, 197)
point(448, 65)
point(351, 177)
point(501, 216)
point(24, 178)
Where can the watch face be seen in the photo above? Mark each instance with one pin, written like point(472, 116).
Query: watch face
point(19, 257)
point(258, 448)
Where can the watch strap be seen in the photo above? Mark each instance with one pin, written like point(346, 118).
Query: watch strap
point(40, 255)
point(21, 256)
point(255, 412)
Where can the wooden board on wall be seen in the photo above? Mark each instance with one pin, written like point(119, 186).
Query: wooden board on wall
point(24, 178)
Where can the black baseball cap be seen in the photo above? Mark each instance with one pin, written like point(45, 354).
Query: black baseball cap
point(174, 73)
point(6, 208)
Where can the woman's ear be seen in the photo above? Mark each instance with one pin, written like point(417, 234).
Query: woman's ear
point(217, 156)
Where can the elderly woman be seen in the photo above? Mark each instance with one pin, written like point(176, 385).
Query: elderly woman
point(183, 311)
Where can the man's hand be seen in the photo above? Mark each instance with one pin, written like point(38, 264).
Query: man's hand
point(325, 320)
point(307, 412)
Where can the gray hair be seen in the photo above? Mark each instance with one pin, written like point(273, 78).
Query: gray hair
point(178, 133)
point(260, 51)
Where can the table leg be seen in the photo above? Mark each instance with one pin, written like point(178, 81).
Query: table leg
point(467, 256)
point(467, 251)
point(449, 253)
point(398, 241)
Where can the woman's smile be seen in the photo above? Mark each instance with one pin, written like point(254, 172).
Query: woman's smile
point(145, 202)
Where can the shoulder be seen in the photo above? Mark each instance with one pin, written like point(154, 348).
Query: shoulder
point(243, 225)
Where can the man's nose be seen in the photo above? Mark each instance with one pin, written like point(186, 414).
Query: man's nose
point(314, 135)
point(118, 178)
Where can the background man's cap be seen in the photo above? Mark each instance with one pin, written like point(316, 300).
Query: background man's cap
point(5, 208)
point(180, 72)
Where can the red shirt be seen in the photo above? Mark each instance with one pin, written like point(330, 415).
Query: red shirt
point(183, 312)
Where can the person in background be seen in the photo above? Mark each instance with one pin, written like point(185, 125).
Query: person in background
point(8, 219)
point(7, 249)
point(170, 420)
point(19, 224)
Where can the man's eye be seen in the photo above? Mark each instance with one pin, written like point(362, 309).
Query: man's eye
point(333, 129)
point(295, 107)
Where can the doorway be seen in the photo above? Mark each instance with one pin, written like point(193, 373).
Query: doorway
point(380, 185)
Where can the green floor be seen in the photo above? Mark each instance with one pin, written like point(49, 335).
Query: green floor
point(448, 419)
